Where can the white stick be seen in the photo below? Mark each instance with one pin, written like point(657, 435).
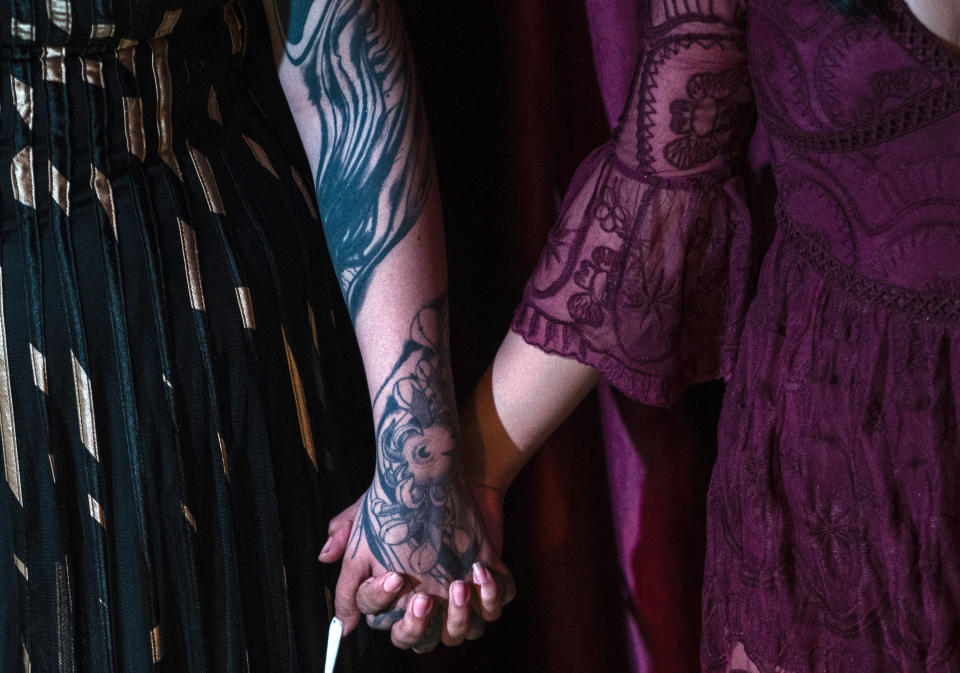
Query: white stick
point(333, 644)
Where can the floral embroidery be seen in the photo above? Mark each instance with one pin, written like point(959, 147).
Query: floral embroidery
point(710, 120)
point(650, 288)
point(597, 275)
point(889, 89)
point(610, 212)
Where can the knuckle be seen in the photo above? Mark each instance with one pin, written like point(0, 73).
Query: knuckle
point(408, 632)
point(492, 614)
point(385, 620)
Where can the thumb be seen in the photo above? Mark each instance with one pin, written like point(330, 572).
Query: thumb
point(354, 572)
point(338, 533)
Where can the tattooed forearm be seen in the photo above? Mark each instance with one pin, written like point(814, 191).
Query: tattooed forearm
point(410, 517)
point(373, 166)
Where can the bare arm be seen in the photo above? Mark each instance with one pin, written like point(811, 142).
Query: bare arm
point(347, 73)
point(521, 399)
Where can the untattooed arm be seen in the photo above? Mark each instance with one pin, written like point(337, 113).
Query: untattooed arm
point(518, 403)
point(347, 74)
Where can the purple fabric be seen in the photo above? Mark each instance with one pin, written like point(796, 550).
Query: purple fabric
point(615, 36)
point(625, 478)
point(834, 515)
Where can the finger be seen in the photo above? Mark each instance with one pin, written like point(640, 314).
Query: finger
point(457, 621)
point(338, 533)
point(508, 588)
point(384, 621)
point(412, 630)
point(378, 593)
point(488, 593)
point(477, 626)
point(352, 575)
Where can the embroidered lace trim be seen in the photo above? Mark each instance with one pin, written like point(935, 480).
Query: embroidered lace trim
point(916, 304)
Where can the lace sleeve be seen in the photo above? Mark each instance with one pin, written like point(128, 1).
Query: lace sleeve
point(647, 273)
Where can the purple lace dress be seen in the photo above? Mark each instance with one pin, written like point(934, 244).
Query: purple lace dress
point(834, 508)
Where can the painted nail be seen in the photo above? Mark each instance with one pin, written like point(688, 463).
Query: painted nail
point(480, 574)
point(421, 605)
point(459, 591)
point(393, 582)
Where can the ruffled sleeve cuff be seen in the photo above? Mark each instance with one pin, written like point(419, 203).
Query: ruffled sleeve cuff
point(645, 278)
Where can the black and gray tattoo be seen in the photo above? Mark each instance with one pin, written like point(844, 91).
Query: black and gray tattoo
point(374, 168)
point(412, 520)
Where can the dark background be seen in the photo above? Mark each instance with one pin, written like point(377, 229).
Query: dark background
point(514, 105)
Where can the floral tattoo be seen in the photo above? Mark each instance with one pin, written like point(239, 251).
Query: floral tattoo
point(410, 518)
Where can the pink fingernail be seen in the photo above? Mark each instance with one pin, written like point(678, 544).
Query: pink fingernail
point(459, 591)
point(326, 546)
point(421, 605)
point(480, 573)
point(393, 582)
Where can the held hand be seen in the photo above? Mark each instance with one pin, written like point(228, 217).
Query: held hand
point(418, 519)
point(446, 600)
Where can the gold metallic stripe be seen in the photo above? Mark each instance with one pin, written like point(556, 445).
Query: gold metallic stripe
point(133, 112)
point(127, 43)
point(307, 196)
point(223, 456)
point(99, 31)
point(93, 71)
point(59, 187)
point(22, 30)
point(317, 374)
point(161, 78)
point(125, 56)
point(208, 182)
point(55, 64)
point(53, 467)
point(60, 14)
point(21, 566)
point(306, 435)
point(96, 511)
point(191, 264)
point(27, 668)
point(156, 647)
point(104, 191)
point(188, 515)
point(213, 106)
point(8, 431)
point(85, 418)
point(23, 100)
point(246, 307)
point(170, 18)
point(328, 599)
point(233, 23)
point(313, 327)
point(21, 177)
point(65, 625)
point(260, 155)
point(167, 381)
point(39, 363)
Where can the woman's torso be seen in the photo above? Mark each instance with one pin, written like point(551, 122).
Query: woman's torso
point(863, 119)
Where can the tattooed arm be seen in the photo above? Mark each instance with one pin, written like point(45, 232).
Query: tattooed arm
point(347, 73)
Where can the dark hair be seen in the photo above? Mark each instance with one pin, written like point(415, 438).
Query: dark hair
point(856, 8)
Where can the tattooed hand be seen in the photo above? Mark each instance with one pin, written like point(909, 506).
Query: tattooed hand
point(347, 72)
point(418, 520)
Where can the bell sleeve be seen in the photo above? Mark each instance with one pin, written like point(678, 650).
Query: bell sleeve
point(647, 274)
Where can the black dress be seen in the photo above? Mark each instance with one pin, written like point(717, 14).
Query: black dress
point(181, 402)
